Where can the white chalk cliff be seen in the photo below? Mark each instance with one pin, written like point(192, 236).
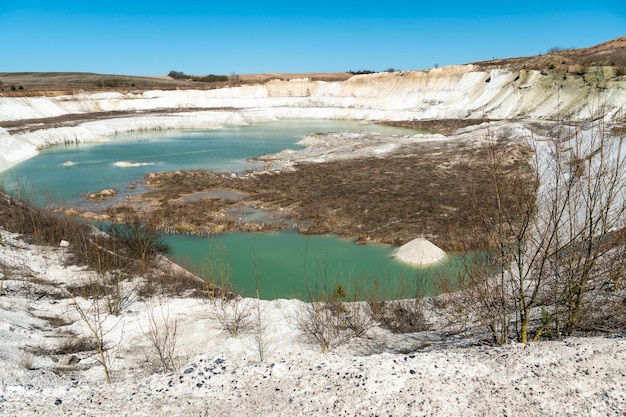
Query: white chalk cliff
point(454, 92)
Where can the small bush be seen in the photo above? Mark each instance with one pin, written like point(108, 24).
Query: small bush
point(26, 360)
point(72, 345)
point(143, 241)
point(211, 78)
point(178, 75)
point(403, 316)
point(175, 283)
point(115, 83)
point(233, 314)
point(162, 333)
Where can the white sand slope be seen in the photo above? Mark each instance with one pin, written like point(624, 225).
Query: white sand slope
point(432, 373)
point(420, 252)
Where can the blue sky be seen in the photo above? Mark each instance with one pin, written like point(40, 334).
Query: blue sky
point(202, 37)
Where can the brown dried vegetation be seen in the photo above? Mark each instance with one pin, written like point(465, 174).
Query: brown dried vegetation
point(420, 191)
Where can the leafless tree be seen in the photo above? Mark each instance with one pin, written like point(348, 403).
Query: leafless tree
point(162, 332)
point(94, 315)
point(553, 236)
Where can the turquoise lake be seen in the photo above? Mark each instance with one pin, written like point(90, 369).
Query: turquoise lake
point(283, 264)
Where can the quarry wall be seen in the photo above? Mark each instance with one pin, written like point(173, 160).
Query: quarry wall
point(455, 92)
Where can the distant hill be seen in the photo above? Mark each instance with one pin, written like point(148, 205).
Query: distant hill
point(611, 53)
point(53, 83)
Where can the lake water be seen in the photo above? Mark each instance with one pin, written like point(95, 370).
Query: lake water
point(62, 173)
point(287, 264)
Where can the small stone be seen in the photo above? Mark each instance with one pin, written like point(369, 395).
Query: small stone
point(69, 360)
point(188, 370)
point(64, 244)
point(58, 401)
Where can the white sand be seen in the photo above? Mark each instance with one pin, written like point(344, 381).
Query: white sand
point(420, 252)
point(439, 373)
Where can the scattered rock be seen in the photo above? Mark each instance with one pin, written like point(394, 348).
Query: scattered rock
point(101, 195)
point(69, 360)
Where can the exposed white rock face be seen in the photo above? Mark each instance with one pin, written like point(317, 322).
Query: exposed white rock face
point(454, 92)
point(420, 252)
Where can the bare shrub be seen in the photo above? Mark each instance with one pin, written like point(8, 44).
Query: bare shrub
point(74, 344)
point(358, 318)
point(142, 240)
point(320, 325)
point(329, 321)
point(98, 251)
point(260, 332)
point(162, 332)
point(403, 316)
point(334, 314)
point(27, 360)
point(93, 317)
point(95, 314)
point(554, 241)
point(112, 288)
point(4, 275)
point(231, 311)
point(217, 272)
point(168, 279)
point(233, 314)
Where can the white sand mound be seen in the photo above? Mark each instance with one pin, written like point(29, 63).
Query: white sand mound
point(420, 252)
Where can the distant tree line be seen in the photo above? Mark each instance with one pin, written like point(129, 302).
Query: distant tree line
point(12, 87)
point(115, 83)
point(179, 75)
point(558, 49)
point(360, 72)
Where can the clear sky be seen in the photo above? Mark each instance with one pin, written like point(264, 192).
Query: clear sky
point(202, 37)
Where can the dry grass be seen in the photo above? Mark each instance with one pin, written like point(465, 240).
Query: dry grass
point(611, 53)
point(173, 284)
point(422, 191)
point(114, 261)
point(57, 83)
